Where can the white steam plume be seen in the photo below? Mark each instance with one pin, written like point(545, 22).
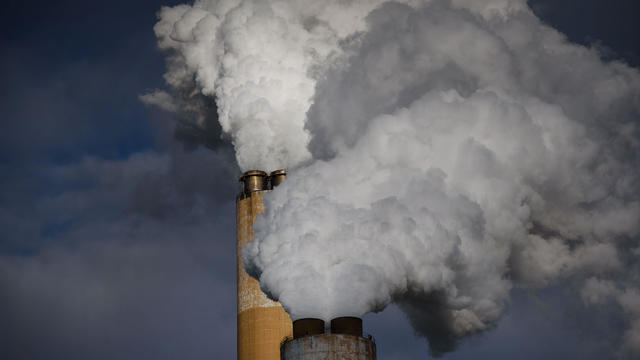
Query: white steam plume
point(260, 59)
point(444, 153)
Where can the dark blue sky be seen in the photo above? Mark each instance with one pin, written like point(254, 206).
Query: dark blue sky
point(117, 239)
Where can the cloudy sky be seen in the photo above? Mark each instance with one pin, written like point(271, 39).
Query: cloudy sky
point(117, 235)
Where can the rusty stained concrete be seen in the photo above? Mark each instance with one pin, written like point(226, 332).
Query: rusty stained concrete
point(329, 347)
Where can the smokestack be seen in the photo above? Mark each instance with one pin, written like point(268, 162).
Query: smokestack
point(262, 324)
point(344, 342)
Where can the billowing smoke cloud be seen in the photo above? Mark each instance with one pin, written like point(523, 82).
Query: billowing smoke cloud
point(444, 153)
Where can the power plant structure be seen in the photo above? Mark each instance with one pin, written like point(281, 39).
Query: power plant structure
point(265, 330)
point(262, 323)
point(345, 342)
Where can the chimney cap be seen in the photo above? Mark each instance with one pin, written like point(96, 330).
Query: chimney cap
point(277, 177)
point(252, 173)
point(307, 326)
point(347, 325)
point(279, 172)
point(252, 181)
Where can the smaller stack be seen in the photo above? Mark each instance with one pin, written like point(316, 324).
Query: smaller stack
point(345, 341)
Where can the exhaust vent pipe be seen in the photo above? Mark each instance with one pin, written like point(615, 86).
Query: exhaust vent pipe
point(277, 177)
point(258, 180)
point(307, 327)
point(347, 325)
point(252, 181)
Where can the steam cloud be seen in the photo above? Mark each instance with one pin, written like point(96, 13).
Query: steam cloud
point(443, 152)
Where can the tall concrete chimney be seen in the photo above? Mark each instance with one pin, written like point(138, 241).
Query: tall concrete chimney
point(345, 341)
point(262, 324)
